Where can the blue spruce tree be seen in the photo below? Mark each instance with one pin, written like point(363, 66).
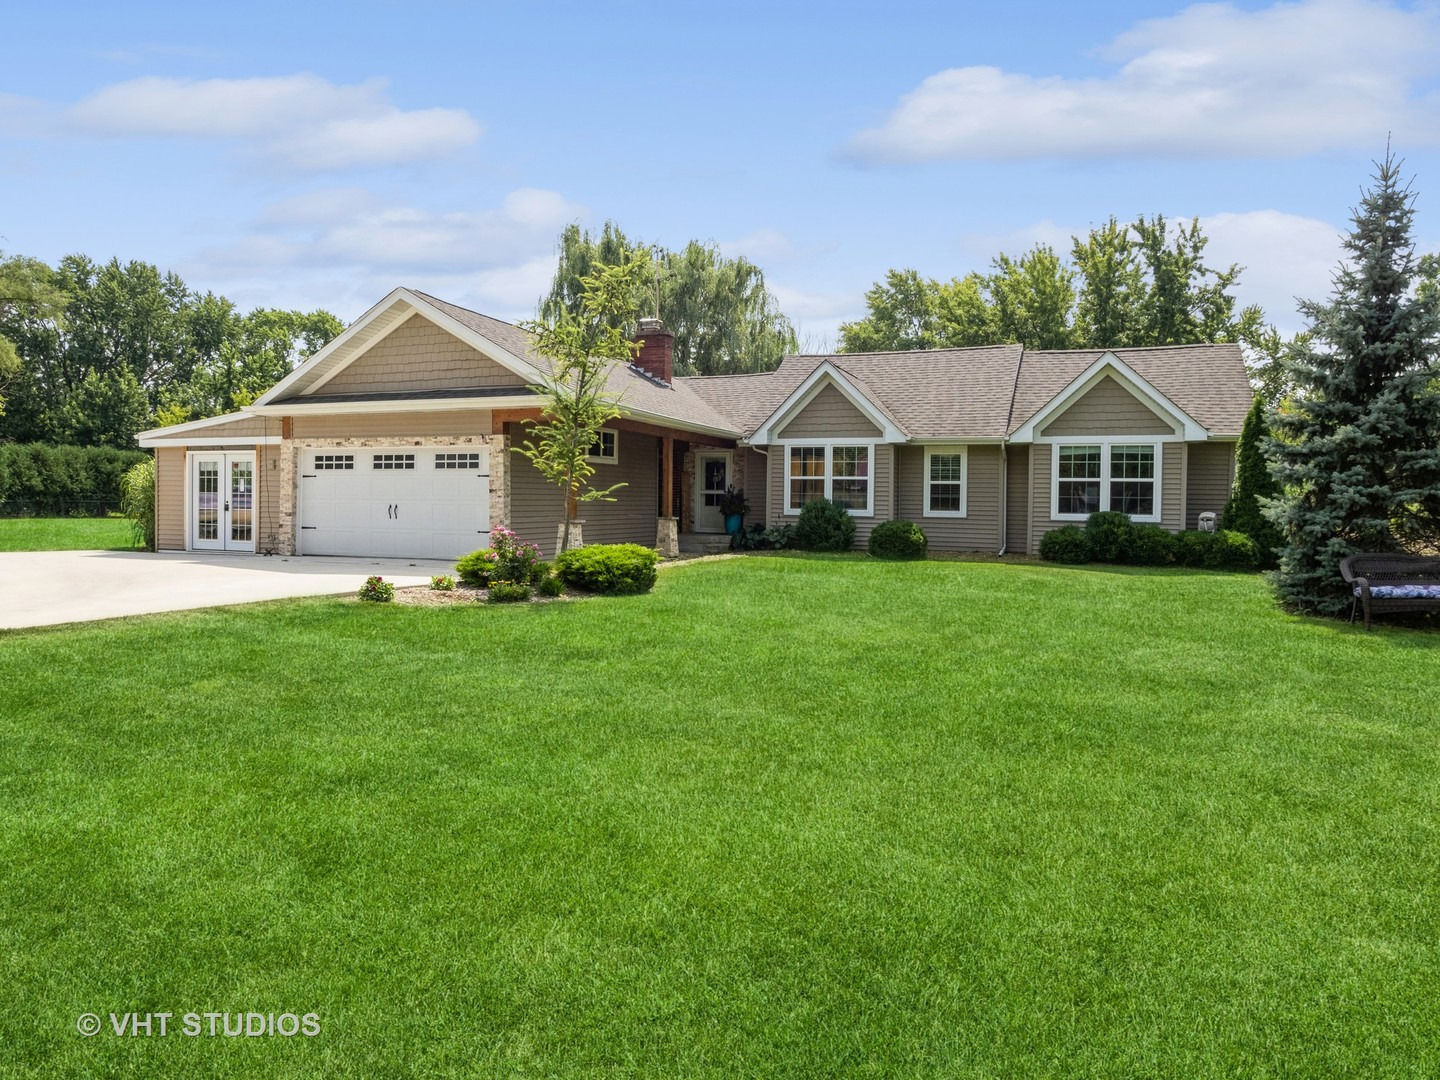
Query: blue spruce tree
point(1358, 453)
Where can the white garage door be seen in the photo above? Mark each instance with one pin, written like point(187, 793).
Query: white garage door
point(428, 502)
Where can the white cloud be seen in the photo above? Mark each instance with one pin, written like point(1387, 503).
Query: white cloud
point(764, 247)
point(343, 248)
point(1285, 256)
point(299, 121)
point(1289, 79)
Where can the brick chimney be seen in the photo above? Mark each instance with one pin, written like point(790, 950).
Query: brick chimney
point(657, 350)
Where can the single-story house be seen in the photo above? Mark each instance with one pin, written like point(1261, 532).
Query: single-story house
point(396, 439)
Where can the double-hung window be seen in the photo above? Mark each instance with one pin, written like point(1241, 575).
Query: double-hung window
point(829, 471)
point(945, 481)
point(1123, 476)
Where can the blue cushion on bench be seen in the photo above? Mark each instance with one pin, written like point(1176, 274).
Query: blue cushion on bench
point(1403, 592)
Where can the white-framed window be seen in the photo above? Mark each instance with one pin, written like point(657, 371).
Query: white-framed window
point(838, 471)
point(606, 447)
point(457, 461)
point(392, 461)
point(1106, 474)
point(334, 461)
point(946, 481)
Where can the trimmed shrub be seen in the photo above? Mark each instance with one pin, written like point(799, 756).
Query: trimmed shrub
point(550, 586)
point(377, 590)
point(1109, 536)
point(824, 525)
point(1221, 550)
point(507, 592)
point(137, 502)
point(1066, 544)
point(1150, 545)
point(476, 568)
point(67, 481)
point(608, 568)
point(897, 540)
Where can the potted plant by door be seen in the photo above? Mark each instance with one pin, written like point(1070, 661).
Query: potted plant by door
point(733, 508)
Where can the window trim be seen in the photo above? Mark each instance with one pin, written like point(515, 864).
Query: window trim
point(947, 450)
point(1156, 443)
point(602, 458)
point(829, 446)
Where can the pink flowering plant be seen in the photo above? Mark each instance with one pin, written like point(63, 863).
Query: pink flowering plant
point(508, 558)
point(377, 589)
point(442, 583)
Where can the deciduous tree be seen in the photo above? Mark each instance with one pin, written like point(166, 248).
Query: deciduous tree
point(581, 348)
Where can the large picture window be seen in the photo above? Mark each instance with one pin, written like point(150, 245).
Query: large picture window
point(1090, 477)
point(945, 482)
point(834, 472)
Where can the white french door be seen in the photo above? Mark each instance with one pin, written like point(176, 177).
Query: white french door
point(222, 501)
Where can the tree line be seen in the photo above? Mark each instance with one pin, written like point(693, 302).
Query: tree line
point(92, 353)
point(1146, 283)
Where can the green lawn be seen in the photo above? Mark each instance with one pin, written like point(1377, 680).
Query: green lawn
point(782, 817)
point(66, 534)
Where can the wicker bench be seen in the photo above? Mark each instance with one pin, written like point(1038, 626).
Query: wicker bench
point(1386, 583)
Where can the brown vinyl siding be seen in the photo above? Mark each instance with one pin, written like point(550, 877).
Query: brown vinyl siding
point(631, 519)
point(384, 425)
point(170, 499)
point(756, 487)
point(979, 529)
point(829, 415)
point(1017, 500)
point(1171, 493)
point(1210, 472)
point(1107, 409)
point(418, 355)
point(882, 480)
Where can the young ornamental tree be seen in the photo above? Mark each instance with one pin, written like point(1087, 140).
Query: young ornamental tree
point(1254, 487)
point(581, 348)
point(1358, 452)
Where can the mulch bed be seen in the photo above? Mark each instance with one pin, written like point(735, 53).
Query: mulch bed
point(424, 596)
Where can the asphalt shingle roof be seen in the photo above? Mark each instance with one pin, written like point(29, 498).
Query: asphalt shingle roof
point(976, 393)
point(1207, 381)
point(930, 394)
point(637, 390)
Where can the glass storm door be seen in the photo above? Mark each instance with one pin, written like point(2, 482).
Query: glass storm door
point(712, 473)
point(223, 502)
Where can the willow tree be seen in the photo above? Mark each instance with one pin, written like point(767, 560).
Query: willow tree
point(724, 317)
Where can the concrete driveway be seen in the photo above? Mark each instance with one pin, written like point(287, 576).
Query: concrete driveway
point(42, 588)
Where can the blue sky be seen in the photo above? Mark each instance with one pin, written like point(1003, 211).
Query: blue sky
point(304, 155)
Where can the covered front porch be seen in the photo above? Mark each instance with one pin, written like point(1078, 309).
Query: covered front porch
point(673, 480)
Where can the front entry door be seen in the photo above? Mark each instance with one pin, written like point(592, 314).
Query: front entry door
point(222, 502)
point(712, 477)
